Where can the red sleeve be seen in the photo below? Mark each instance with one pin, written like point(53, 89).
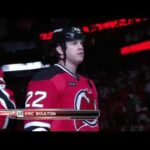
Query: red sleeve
point(3, 119)
point(5, 103)
point(41, 94)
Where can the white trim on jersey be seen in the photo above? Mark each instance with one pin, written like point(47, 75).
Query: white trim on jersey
point(65, 69)
point(39, 129)
point(37, 124)
point(2, 79)
point(2, 85)
point(3, 103)
point(8, 96)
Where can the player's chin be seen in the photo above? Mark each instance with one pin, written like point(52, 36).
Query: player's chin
point(80, 60)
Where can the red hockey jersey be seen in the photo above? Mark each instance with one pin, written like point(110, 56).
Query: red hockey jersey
point(6, 101)
point(57, 88)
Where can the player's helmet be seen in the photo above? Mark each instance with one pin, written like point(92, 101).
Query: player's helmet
point(60, 37)
point(66, 34)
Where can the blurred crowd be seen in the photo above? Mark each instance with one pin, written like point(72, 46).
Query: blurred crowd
point(124, 98)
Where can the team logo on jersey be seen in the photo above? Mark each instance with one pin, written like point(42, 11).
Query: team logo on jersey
point(85, 100)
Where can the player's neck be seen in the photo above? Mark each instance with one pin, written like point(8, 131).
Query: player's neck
point(71, 67)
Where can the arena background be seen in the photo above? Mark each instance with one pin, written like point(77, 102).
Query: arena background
point(123, 81)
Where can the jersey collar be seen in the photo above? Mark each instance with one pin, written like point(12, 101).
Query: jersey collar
point(67, 71)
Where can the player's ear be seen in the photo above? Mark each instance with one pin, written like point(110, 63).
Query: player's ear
point(60, 51)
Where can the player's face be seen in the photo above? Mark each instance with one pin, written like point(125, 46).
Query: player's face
point(75, 52)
